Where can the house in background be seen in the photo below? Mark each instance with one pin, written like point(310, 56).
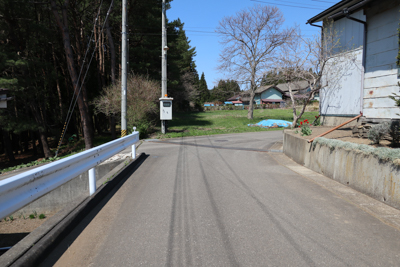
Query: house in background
point(234, 100)
point(272, 94)
point(298, 88)
point(268, 94)
point(368, 30)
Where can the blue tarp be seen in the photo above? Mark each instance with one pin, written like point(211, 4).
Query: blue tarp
point(271, 123)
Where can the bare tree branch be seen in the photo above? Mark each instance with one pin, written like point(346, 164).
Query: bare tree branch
point(251, 39)
point(311, 60)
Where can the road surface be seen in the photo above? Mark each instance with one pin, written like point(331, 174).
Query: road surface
point(225, 200)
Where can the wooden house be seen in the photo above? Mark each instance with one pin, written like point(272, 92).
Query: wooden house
point(368, 30)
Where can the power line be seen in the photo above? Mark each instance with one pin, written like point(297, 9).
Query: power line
point(287, 5)
point(324, 1)
point(298, 3)
point(75, 98)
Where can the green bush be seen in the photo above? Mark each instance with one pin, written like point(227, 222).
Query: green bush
point(142, 127)
point(395, 134)
point(377, 132)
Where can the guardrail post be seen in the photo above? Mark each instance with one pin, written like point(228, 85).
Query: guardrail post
point(134, 146)
point(134, 151)
point(92, 181)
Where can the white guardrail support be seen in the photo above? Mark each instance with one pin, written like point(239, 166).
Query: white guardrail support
point(24, 188)
point(92, 181)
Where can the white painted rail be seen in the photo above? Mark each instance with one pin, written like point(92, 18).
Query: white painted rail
point(24, 188)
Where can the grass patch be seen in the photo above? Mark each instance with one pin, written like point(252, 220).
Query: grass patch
point(224, 122)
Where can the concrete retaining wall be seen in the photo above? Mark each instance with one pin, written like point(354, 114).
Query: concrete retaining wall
point(365, 173)
point(77, 187)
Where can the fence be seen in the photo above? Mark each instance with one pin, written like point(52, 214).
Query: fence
point(24, 188)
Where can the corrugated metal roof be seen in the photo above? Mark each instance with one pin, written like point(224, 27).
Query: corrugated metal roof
point(263, 88)
point(236, 97)
point(296, 86)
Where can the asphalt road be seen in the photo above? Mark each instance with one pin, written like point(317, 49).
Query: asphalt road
point(226, 201)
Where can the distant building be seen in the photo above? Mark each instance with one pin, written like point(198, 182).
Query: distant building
point(268, 94)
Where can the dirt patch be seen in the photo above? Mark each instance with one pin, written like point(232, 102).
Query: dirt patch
point(343, 134)
point(13, 231)
point(21, 224)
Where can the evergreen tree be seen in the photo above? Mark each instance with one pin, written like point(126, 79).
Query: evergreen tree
point(225, 90)
point(204, 93)
point(35, 64)
point(180, 64)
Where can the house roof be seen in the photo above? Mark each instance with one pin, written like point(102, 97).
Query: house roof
point(236, 97)
point(264, 88)
point(296, 86)
point(338, 9)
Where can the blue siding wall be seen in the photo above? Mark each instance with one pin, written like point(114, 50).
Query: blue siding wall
point(271, 93)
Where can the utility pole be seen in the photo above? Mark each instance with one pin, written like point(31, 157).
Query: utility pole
point(124, 70)
point(164, 49)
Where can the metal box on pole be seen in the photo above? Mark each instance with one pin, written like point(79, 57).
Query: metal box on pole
point(4, 98)
point(166, 108)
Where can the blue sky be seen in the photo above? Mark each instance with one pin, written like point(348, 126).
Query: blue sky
point(202, 17)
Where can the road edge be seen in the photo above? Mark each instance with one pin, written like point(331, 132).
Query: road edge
point(35, 246)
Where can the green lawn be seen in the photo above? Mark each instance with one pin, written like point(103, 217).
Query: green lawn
point(225, 121)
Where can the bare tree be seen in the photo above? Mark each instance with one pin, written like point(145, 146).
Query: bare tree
point(190, 85)
point(142, 99)
point(251, 39)
point(318, 61)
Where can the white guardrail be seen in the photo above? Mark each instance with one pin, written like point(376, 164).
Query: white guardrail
point(24, 188)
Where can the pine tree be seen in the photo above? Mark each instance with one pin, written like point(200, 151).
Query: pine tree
point(204, 93)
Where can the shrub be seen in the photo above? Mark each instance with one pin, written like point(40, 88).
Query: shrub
point(395, 134)
point(142, 127)
point(377, 132)
point(142, 101)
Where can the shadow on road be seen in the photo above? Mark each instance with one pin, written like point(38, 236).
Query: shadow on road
point(60, 248)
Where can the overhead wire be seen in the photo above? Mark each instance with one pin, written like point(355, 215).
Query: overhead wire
point(76, 95)
point(287, 5)
point(298, 3)
point(325, 1)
